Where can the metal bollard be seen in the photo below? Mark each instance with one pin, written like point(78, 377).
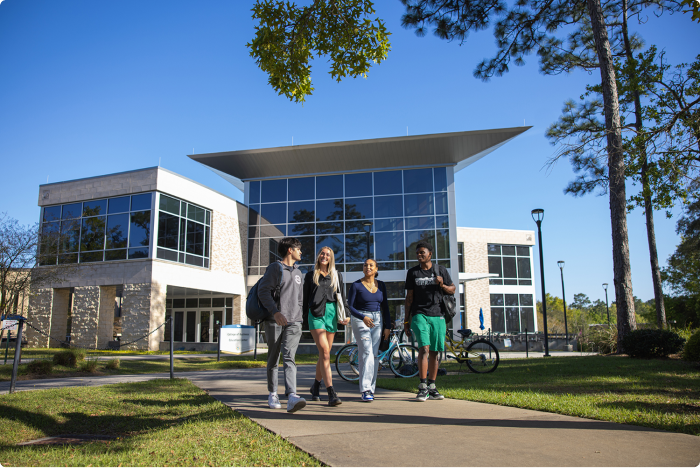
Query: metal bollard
point(18, 350)
point(527, 346)
point(218, 347)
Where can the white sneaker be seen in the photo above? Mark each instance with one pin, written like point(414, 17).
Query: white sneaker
point(295, 403)
point(273, 401)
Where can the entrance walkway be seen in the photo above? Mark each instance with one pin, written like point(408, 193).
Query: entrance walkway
point(396, 430)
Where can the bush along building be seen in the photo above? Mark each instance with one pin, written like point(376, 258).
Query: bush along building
point(151, 244)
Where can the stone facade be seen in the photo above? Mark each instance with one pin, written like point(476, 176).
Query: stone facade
point(136, 315)
point(39, 315)
point(84, 316)
point(157, 314)
point(226, 254)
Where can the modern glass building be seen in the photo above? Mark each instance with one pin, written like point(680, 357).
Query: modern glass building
point(150, 244)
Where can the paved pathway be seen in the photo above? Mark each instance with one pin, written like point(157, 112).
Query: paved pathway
point(396, 430)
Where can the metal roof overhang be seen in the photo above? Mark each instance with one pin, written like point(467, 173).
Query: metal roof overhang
point(459, 149)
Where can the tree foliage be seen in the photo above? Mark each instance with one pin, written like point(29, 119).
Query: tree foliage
point(682, 274)
point(288, 37)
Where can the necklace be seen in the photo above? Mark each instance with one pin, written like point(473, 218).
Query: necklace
point(370, 287)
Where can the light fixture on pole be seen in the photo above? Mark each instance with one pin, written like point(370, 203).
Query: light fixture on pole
point(368, 225)
point(560, 263)
point(538, 216)
point(607, 309)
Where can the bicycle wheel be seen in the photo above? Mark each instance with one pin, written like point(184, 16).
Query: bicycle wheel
point(481, 357)
point(346, 363)
point(403, 361)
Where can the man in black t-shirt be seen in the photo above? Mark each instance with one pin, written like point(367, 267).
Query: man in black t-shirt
point(425, 285)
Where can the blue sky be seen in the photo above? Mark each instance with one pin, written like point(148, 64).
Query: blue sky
point(95, 87)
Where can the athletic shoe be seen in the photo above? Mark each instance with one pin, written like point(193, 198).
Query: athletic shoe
point(295, 403)
point(422, 392)
point(433, 393)
point(273, 401)
point(367, 396)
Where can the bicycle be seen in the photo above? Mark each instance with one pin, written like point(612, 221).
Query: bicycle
point(480, 355)
point(401, 358)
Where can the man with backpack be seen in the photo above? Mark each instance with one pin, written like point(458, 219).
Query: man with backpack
point(281, 292)
point(425, 318)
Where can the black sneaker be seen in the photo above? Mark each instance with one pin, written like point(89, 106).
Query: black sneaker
point(422, 392)
point(433, 393)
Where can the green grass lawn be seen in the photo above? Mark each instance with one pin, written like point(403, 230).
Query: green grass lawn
point(154, 423)
point(153, 366)
point(663, 394)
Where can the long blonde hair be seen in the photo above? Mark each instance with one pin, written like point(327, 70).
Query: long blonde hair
point(331, 268)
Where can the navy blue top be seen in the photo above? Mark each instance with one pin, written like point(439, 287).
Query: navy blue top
point(359, 298)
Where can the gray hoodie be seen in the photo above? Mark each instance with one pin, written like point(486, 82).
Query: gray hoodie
point(291, 292)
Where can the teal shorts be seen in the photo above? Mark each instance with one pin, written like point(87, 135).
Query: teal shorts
point(328, 322)
point(429, 331)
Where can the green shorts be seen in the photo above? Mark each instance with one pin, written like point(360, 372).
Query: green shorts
point(328, 322)
point(429, 331)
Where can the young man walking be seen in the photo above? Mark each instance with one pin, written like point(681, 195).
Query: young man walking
point(283, 329)
point(425, 285)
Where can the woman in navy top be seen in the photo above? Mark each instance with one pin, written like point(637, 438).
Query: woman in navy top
point(370, 320)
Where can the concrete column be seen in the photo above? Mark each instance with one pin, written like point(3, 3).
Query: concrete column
point(39, 315)
point(136, 314)
point(85, 313)
point(158, 294)
point(239, 316)
point(59, 315)
point(105, 321)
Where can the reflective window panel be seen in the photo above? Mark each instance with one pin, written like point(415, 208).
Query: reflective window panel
point(358, 185)
point(302, 188)
point(418, 180)
point(329, 186)
point(274, 190)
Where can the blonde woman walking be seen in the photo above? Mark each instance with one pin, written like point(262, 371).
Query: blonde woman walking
point(323, 288)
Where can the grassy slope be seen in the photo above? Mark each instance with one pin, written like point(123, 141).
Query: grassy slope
point(663, 394)
point(155, 423)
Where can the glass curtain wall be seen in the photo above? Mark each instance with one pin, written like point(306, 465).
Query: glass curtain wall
point(184, 232)
point(197, 319)
point(390, 210)
point(403, 207)
point(511, 311)
point(117, 228)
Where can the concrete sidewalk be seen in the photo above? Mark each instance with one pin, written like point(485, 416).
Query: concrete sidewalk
point(397, 430)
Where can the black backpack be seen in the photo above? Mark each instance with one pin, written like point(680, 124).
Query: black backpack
point(254, 308)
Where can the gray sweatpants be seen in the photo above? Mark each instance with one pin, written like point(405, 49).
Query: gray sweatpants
point(284, 340)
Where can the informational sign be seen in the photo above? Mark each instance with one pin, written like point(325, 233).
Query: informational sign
point(237, 339)
point(507, 343)
point(9, 325)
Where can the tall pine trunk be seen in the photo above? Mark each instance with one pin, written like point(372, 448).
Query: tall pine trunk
point(622, 274)
point(648, 207)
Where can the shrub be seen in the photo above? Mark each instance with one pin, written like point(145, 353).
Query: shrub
point(89, 366)
point(691, 351)
point(652, 343)
point(40, 366)
point(69, 357)
point(601, 338)
point(113, 364)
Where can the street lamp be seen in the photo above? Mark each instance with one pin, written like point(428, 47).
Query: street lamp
point(560, 263)
point(537, 216)
point(607, 309)
point(368, 225)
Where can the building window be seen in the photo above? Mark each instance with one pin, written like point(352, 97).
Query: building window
point(405, 207)
point(184, 232)
point(511, 263)
point(108, 229)
point(512, 313)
